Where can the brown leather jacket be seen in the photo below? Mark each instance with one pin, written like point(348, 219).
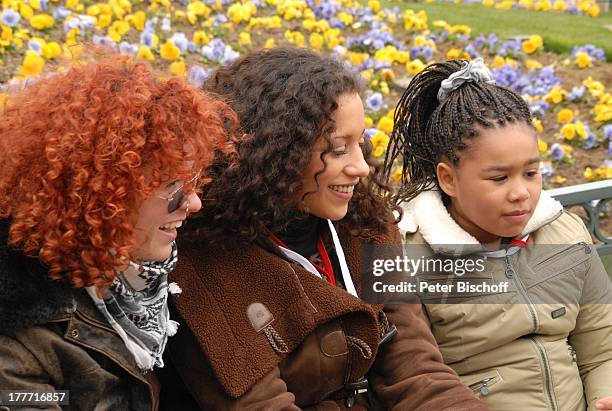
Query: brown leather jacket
point(52, 337)
point(260, 332)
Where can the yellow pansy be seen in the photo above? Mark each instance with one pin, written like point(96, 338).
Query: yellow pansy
point(103, 20)
point(556, 95)
point(397, 174)
point(583, 60)
point(537, 123)
point(51, 50)
point(345, 18)
point(145, 53)
point(357, 59)
point(295, 37)
point(594, 10)
point(178, 68)
point(385, 124)
point(532, 44)
point(567, 149)
point(558, 179)
point(543, 5)
point(384, 88)
point(603, 112)
point(368, 122)
point(7, 33)
point(580, 130)
point(542, 146)
point(169, 51)
point(596, 88)
point(454, 54)
point(32, 64)
point(200, 38)
point(565, 116)
point(378, 151)
point(533, 64)
point(26, 11)
point(568, 131)
point(374, 5)
point(415, 66)
point(559, 5)
point(244, 38)
point(270, 43)
point(588, 174)
point(137, 20)
point(380, 139)
point(42, 21)
point(316, 41)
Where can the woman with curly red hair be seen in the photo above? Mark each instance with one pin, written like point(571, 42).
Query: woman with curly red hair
point(99, 165)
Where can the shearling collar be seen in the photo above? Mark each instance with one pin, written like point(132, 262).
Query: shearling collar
point(427, 214)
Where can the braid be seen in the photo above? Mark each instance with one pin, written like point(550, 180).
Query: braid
point(426, 131)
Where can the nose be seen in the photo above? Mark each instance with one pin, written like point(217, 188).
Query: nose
point(518, 192)
point(192, 203)
point(358, 167)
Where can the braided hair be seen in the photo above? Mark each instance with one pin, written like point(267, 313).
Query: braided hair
point(427, 131)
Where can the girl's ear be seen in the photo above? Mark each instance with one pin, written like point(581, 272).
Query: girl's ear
point(447, 178)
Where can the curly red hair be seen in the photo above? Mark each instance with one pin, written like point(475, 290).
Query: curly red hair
point(81, 149)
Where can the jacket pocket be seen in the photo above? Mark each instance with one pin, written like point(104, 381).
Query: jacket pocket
point(482, 383)
point(557, 260)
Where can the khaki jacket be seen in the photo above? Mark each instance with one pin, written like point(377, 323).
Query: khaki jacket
point(259, 332)
point(546, 343)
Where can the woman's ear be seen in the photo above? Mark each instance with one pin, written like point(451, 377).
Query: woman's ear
point(447, 178)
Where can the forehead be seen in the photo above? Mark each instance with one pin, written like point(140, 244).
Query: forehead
point(510, 144)
point(349, 116)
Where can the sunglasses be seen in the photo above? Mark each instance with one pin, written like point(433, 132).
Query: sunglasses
point(177, 197)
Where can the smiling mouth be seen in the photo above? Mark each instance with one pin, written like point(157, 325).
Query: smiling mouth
point(345, 189)
point(171, 226)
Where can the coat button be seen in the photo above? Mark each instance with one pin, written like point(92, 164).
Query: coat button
point(74, 333)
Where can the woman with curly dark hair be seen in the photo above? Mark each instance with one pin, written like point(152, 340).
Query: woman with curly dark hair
point(99, 165)
point(273, 314)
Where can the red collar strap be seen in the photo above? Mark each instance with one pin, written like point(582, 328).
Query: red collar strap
point(327, 270)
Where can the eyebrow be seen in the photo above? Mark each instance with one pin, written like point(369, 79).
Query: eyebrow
point(348, 136)
point(531, 161)
point(171, 183)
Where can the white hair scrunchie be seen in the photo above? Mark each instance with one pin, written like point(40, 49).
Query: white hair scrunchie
point(474, 70)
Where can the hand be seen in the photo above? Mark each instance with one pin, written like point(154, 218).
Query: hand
point(604, 404)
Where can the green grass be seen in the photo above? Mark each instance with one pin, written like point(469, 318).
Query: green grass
point(560, 31)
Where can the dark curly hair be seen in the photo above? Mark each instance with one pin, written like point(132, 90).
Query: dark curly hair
point(425, 131)
point(284, 98)
point(82, 148)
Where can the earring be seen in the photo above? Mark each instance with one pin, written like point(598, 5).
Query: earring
point(187, 206)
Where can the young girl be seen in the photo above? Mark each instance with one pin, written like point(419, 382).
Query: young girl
point(273, 318)
point(99, 164)
point(471, 188)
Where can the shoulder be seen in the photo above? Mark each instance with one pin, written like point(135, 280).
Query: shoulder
point(567, 229)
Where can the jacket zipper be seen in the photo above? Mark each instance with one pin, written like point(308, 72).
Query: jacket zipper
point(481, 386)
point(549, 389)
point(511, 274)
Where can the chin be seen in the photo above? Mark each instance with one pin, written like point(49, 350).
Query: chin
point(333, 215)
point(161, 254)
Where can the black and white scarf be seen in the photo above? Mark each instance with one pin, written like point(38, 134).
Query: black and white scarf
point(136, 306)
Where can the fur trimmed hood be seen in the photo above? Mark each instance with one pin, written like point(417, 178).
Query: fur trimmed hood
point(428, 215)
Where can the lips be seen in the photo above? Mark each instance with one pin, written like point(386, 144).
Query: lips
point(345, 189)
point(171, 226)
point(516, 213)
